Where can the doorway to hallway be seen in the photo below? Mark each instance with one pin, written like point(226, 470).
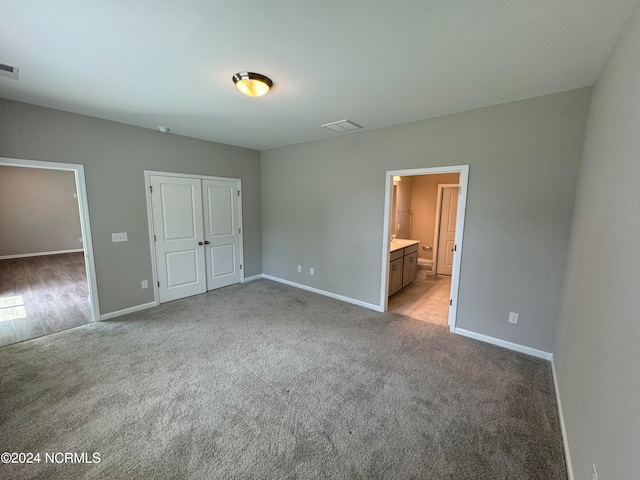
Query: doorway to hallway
point(47, 271)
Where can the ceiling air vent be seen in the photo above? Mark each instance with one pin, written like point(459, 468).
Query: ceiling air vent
point(8, 71)
point(342, 126)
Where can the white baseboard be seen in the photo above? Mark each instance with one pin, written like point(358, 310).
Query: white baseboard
point(125, 311)
point(563, 428)
point(40, 254)
point(503, 343)
point(371, 306)
point(255, 277)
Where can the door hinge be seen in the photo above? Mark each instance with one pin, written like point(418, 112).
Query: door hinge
point(451, 302)
point(238, 192)
point(459, 190)
point(239, 230)
point(150, 188)
point(455, 248)
point(155, 239)
point(158, 284)
point(240, 266)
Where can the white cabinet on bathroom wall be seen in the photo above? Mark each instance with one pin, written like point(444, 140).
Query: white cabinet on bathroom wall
point(403, 268)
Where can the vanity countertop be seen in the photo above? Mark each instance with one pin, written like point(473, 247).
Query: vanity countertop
point(399, 243)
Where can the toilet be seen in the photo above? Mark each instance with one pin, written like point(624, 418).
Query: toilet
point(425, 266)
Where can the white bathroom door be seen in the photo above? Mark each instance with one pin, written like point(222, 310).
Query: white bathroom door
point(447, 232)
point(223, 242)
point(178, 234)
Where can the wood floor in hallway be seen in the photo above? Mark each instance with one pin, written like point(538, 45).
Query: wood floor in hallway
point(42, 295)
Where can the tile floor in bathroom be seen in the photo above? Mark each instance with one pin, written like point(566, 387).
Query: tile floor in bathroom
point(426, 300)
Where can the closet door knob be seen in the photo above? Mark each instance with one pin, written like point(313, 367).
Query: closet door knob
point(206, 242)
point(199, 243)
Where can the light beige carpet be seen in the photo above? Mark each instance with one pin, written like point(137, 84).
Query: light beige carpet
point(261, 381)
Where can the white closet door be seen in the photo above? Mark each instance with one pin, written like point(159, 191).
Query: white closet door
point(222, 232)
point(178, 229)
point(446, 241)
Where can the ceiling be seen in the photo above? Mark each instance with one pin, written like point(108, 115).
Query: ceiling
point(375, 62)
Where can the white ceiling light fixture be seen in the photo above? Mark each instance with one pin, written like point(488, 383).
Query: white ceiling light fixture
point(252, 84)
point(342, 126)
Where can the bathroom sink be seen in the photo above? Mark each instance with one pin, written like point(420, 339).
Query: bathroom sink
point(398, 243)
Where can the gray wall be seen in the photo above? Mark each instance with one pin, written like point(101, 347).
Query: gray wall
point(323, 205)
point(597, 354)
point(115, 156)
point(37, 211)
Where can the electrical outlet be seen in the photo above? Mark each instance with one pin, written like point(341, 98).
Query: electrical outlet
point(75, 195)
point(119, 237)
point(80, 239)
point(312, 271)
point(513, 317)
point(595, 473)
point(145, 284)
point(299, 268)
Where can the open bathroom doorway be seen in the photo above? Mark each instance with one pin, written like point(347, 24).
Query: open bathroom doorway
point(423, 231)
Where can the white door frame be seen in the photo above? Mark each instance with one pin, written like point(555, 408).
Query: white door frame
point(147, 185)
point(463, 170)
point(85, 224)
point(436, 233)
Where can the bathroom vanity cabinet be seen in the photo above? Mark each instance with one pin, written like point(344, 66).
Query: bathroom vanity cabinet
point(395, 272)
point(404, 265)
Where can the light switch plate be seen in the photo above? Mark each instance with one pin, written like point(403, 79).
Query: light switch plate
point(513, 317)
point(119, 237)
